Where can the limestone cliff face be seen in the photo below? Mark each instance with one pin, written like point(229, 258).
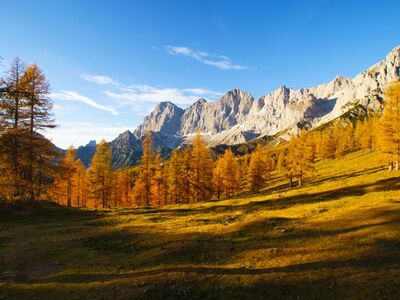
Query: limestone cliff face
point(237, 117)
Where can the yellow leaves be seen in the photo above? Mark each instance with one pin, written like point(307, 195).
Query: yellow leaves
point(389, 123)
point(227, 174)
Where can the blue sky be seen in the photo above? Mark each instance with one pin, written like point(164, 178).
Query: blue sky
point(110, 62)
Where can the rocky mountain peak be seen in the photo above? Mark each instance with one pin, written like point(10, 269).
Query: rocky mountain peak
point(200, 102)
point(92, 143)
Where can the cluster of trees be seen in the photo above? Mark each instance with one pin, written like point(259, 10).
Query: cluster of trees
point(188, 176)
point(26, 157)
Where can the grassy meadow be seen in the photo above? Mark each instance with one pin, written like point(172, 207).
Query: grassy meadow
point(337, 237)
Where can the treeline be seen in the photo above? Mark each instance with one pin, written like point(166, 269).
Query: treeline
point(188, 176)
point(26, 157)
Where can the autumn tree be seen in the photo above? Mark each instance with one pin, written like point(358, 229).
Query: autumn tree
point(142, 189)
point(175, 177)
point(40, 152)
point(12, 118)
point(390, 126)
point(345, 140)
point(363, 134)
point(65, 186)
point(257, 171)
point(26, 113)
point(300, 158)
point(80, 181)
point(227, 174)
point(187, 194)
point(201, 168)
point(218, 177)
point(100, 173)
point(124, 182)
point(284, 165)
point(159, 187)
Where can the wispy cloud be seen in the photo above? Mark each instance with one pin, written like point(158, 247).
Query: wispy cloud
point(99, 79)
point(146, 93)
point(221, 62)
point(133, 94)
point(74, 96)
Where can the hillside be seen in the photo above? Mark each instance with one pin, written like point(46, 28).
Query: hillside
point(337, 237)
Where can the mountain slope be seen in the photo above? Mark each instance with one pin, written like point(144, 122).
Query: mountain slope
point(237, 117)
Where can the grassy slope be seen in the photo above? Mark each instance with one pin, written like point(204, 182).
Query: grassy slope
point(338, 237)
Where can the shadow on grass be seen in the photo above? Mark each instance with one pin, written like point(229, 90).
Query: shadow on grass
point(389, 184)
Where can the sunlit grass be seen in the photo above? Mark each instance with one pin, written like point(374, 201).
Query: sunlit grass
point(337, 236)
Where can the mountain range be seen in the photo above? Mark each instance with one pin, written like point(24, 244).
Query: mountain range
point(237, 117)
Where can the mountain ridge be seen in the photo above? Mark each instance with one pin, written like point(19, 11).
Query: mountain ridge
point(237, 117)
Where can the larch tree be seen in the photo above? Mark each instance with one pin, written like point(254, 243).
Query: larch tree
point(124, 183)
point(100, 173)
point(363, 134)
point(229, 172)
point(218, 177)
point(201, 166)
point(300, 157)
point(159, 184)
point(145, 178)
point(13, 119)
point(284, 165)
point(345, 140)
point(390, 126)
point(257, 171)
point(80, 182)
point(40, 152)
point(174, 177)
point(66, 183)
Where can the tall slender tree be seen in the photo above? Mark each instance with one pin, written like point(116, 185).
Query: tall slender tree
point(175, 177)
point(227, 174)
point(39, 118)
point(390, 126)
point(142, 189)
point(257, 171)
point(100, 173)
point(12, 116)
point(201, 165)
point(300, 157)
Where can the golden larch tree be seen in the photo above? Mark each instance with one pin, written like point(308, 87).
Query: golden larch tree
point(145, 178)
point(389, 141)
point(100, 173)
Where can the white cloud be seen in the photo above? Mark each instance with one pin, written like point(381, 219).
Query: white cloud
point(221, 62)
point(74, 96)
point(80, 133)
point(148, 94)
point(99, 79)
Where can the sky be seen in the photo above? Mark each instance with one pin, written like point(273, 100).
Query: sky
point(110, 62)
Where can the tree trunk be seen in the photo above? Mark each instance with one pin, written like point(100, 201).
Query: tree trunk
point(301, 178)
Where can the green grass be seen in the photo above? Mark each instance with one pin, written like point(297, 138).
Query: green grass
point(337, 237)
